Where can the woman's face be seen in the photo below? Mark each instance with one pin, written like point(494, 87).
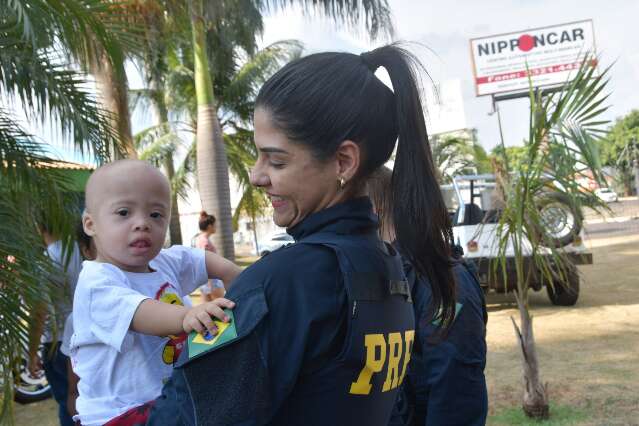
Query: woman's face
point(296, 183)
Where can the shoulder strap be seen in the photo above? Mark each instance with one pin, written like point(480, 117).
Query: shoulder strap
point(364, 285)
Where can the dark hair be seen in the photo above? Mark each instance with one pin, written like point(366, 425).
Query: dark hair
point(206, 220)
point(324, 99)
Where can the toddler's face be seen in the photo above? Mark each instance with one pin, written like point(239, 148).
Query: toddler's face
point(130, 220)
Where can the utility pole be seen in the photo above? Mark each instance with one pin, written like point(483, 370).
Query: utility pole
point(635, 164)
point(501, 132)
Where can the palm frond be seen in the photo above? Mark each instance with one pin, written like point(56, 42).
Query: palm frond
point(51, 92)
point(375, 15)
point(242, 89)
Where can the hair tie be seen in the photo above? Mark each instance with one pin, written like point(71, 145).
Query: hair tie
point(366, 58)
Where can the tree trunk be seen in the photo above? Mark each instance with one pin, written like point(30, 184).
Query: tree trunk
point(535, 399)
point(112, 86)
point(635, 168)
point(212, 164)
point(257, 249)
point(162, 114)
point(175, 229)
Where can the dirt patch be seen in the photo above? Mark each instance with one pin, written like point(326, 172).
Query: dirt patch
point(589, 353)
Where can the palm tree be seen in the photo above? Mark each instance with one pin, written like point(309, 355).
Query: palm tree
point(563, 131)
point(237, 92)
point(37, 39)
point(212, 161)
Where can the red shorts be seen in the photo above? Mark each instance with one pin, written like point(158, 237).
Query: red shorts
point(136, 416)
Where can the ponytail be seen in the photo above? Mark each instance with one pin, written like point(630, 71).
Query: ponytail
point(422, 225)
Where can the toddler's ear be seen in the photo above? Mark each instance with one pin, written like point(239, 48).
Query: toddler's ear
point(87, 224)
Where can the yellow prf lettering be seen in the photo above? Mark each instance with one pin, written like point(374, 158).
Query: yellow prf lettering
point(373, 364)
point(409, 338)
point(395, 353)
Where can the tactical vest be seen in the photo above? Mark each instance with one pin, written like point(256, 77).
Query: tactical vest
point(360, 386)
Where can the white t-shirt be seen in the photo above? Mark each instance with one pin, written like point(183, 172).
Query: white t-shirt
point(118, 368)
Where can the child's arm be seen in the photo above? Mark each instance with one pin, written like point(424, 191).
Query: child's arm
point(162, 319)
point(219, 267)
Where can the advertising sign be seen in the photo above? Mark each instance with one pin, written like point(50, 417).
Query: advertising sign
point(502, 63)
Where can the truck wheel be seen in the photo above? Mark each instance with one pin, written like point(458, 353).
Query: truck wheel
point(30, 388)
point(562, 294)
point(562, 219)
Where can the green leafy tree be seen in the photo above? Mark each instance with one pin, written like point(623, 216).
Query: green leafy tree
point(620, 149)
point(37, 40)
point(460, 156)
point(515, 155)
point(563, 133)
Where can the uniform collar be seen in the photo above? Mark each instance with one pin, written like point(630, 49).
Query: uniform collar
point(349, 217)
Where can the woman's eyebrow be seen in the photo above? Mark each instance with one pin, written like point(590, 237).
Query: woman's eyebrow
point(273, 150)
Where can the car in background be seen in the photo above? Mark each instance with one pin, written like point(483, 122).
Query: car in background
point(607, 195)
point(274, 242)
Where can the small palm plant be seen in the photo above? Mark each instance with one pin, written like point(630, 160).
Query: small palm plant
point(561, 147)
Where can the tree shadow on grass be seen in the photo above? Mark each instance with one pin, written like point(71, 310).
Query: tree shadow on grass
point(560, 415)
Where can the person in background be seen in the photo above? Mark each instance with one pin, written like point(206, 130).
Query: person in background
point(55, 363)
point(88, 252)
point(445, 384)
point(214, 288)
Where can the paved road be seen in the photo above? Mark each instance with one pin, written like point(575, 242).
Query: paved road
point(622, 208)
point(623, 220)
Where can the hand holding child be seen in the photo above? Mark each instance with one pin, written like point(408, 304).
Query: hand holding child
point(199, 318)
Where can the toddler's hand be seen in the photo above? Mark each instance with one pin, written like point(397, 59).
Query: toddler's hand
point(199, 319)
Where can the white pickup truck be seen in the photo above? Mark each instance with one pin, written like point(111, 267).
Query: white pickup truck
point(470, 202)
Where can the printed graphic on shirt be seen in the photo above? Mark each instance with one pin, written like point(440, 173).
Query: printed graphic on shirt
point(171, 352)
point(437, 321)
point(227, 332)
point(384, 350)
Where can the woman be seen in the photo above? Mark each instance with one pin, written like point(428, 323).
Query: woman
point(445, 384)
point(323, 328)
point(214, 288)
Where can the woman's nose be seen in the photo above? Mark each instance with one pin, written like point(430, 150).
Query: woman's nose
point(258, 178)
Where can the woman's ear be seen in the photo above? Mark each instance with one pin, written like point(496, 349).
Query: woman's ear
point(348, 160)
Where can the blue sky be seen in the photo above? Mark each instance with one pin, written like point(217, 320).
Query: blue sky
point(445, 27)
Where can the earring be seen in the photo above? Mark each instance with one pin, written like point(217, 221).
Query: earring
point(342, 182)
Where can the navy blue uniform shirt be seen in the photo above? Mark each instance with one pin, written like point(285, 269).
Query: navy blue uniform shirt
point(446, 385)
point(299, 323)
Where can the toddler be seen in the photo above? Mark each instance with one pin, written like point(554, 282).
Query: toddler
point(129, 320)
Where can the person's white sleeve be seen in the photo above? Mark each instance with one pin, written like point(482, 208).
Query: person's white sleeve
point(65, 347)
point(112, 305)
point(189, 266)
